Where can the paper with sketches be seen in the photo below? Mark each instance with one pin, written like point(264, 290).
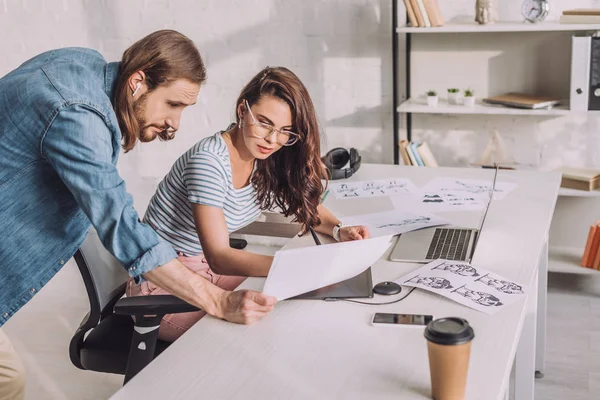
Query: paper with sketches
point(394, 222)
point(382, 187)
point(440, 201)
point(469, 187)
point(302, 270)
point(471, 286)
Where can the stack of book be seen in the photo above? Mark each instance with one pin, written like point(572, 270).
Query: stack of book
point(581, 16)
point(523, 100)
point(417, 154)
point(580, 178)
point(424, 13)
point(591, 254)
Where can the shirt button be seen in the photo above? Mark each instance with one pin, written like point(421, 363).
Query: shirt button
point(5, 315)
point(62, 262)
point(32, 290)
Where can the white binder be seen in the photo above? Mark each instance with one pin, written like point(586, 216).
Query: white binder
point(580, 72)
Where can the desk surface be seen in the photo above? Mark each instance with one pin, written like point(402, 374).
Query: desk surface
point(315, 349)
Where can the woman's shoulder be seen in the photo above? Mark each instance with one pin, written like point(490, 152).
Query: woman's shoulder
point(211, 150)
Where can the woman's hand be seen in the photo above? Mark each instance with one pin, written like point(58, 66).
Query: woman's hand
point(357, 232)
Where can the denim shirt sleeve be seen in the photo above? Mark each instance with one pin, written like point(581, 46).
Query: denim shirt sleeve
point(79, 147)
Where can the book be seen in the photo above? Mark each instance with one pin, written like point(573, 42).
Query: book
point(415, 7)
point(412, 18)
point(579, 178)
point(582, 11)
point(579, 19)
point(581, 54)
point(523, 100)
point(433, 13)
point(424, 14)
point(427, 155)
point(404, 153)
point(585, 259)
point(411, 156)
point(439, 12)
point(415, 152)
point(594, 247)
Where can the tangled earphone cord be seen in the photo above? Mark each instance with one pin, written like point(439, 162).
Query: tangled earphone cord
point(372, 304)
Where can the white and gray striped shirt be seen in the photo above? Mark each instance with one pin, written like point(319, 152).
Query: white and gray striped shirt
point(202, 175)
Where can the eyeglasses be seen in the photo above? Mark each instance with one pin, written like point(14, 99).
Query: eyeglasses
point(263, 131)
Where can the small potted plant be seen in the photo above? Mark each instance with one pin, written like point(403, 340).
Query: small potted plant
point(453, 94)
point(432, 98)
point(469, 99)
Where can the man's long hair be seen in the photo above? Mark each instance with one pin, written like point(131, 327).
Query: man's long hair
point(164, 56)
point(290, 178)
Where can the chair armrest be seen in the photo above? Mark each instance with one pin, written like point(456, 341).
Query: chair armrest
point(152, 305)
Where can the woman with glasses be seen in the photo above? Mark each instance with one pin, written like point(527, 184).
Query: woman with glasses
point(268, 160)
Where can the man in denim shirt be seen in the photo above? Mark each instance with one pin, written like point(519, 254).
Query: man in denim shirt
point(63, 117)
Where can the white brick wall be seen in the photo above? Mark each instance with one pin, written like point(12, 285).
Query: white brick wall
point(340, 48)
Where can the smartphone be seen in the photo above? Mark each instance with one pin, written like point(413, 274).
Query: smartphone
point(385, 319)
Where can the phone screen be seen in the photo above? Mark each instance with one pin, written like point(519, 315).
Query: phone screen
point(401, 319)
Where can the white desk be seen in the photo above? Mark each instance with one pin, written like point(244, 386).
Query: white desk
point(327, 350)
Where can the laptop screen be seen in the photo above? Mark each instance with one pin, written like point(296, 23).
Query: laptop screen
point(487, 207)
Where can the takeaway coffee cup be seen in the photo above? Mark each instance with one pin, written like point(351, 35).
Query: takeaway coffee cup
point(449, 348)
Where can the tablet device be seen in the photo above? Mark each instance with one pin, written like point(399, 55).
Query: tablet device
point(358, 287)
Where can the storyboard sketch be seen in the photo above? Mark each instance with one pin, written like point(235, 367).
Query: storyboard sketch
point(468, 285)
point(394, 222)
point(469, 187)
point(381, 187)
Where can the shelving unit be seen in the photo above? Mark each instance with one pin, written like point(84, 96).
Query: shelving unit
point(417, 106)
point(566, 260)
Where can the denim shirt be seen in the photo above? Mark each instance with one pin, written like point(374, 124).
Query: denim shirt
point(59, 144)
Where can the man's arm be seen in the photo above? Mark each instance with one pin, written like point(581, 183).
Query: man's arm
point(79, 147)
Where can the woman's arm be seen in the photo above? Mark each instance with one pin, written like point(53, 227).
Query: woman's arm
point(214, 238)
point(328, 221)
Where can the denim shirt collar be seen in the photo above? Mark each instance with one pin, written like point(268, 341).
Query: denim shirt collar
point(111, 73)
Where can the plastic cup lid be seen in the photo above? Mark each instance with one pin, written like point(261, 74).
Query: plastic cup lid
point(449, 331)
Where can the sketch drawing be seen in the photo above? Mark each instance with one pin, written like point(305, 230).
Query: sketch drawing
point(433, 282)
point(373, 188)
point(396, 187)
point(347, 191)
point(428, 198)
point(501, 285)
point(458, 269)
point(481, 298)
point(405, 222)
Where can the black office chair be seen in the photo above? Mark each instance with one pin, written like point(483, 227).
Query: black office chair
point(108, 340)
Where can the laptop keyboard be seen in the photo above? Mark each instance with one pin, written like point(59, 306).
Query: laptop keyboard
point(449, 244)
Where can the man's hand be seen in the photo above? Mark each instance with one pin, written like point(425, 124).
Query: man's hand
point(244, 306)
point(357, 232)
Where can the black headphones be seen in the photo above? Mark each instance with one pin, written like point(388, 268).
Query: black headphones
point(337, 158)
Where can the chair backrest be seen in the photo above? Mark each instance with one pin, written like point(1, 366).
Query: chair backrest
point(102, 274)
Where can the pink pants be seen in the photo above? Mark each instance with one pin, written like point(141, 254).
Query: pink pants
point(173, 326)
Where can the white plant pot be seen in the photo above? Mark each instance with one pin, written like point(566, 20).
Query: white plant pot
point(469, 101)
point(453, 98)
point(432, 101)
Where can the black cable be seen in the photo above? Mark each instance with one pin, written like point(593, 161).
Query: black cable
point(372, 304)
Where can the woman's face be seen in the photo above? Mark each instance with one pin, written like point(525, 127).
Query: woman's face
point(257, 123)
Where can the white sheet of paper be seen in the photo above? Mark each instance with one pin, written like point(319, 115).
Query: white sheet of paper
point(302, 270)
point(468, 285)
point(471, 187)
point(381, 187)
point(394, 222)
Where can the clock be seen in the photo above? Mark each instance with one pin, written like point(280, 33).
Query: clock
point(535, 10)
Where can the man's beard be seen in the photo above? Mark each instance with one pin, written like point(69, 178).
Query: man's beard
point(139, 110)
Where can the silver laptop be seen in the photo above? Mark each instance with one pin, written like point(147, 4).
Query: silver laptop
point(449, 243)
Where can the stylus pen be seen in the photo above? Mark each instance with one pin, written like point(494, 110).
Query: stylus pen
point(314, 235)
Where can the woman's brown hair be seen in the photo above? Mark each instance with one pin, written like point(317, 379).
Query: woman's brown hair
point(291, 178)
point(164, 56)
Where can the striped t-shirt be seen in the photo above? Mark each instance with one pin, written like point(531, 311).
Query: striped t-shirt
point(202, 175)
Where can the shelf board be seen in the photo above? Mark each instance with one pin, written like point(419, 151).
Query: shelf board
point(507, 26)
point(578, 193)
point(566, 260)
point(420, 106)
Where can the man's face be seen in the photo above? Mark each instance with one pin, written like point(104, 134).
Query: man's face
point(159, 112)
